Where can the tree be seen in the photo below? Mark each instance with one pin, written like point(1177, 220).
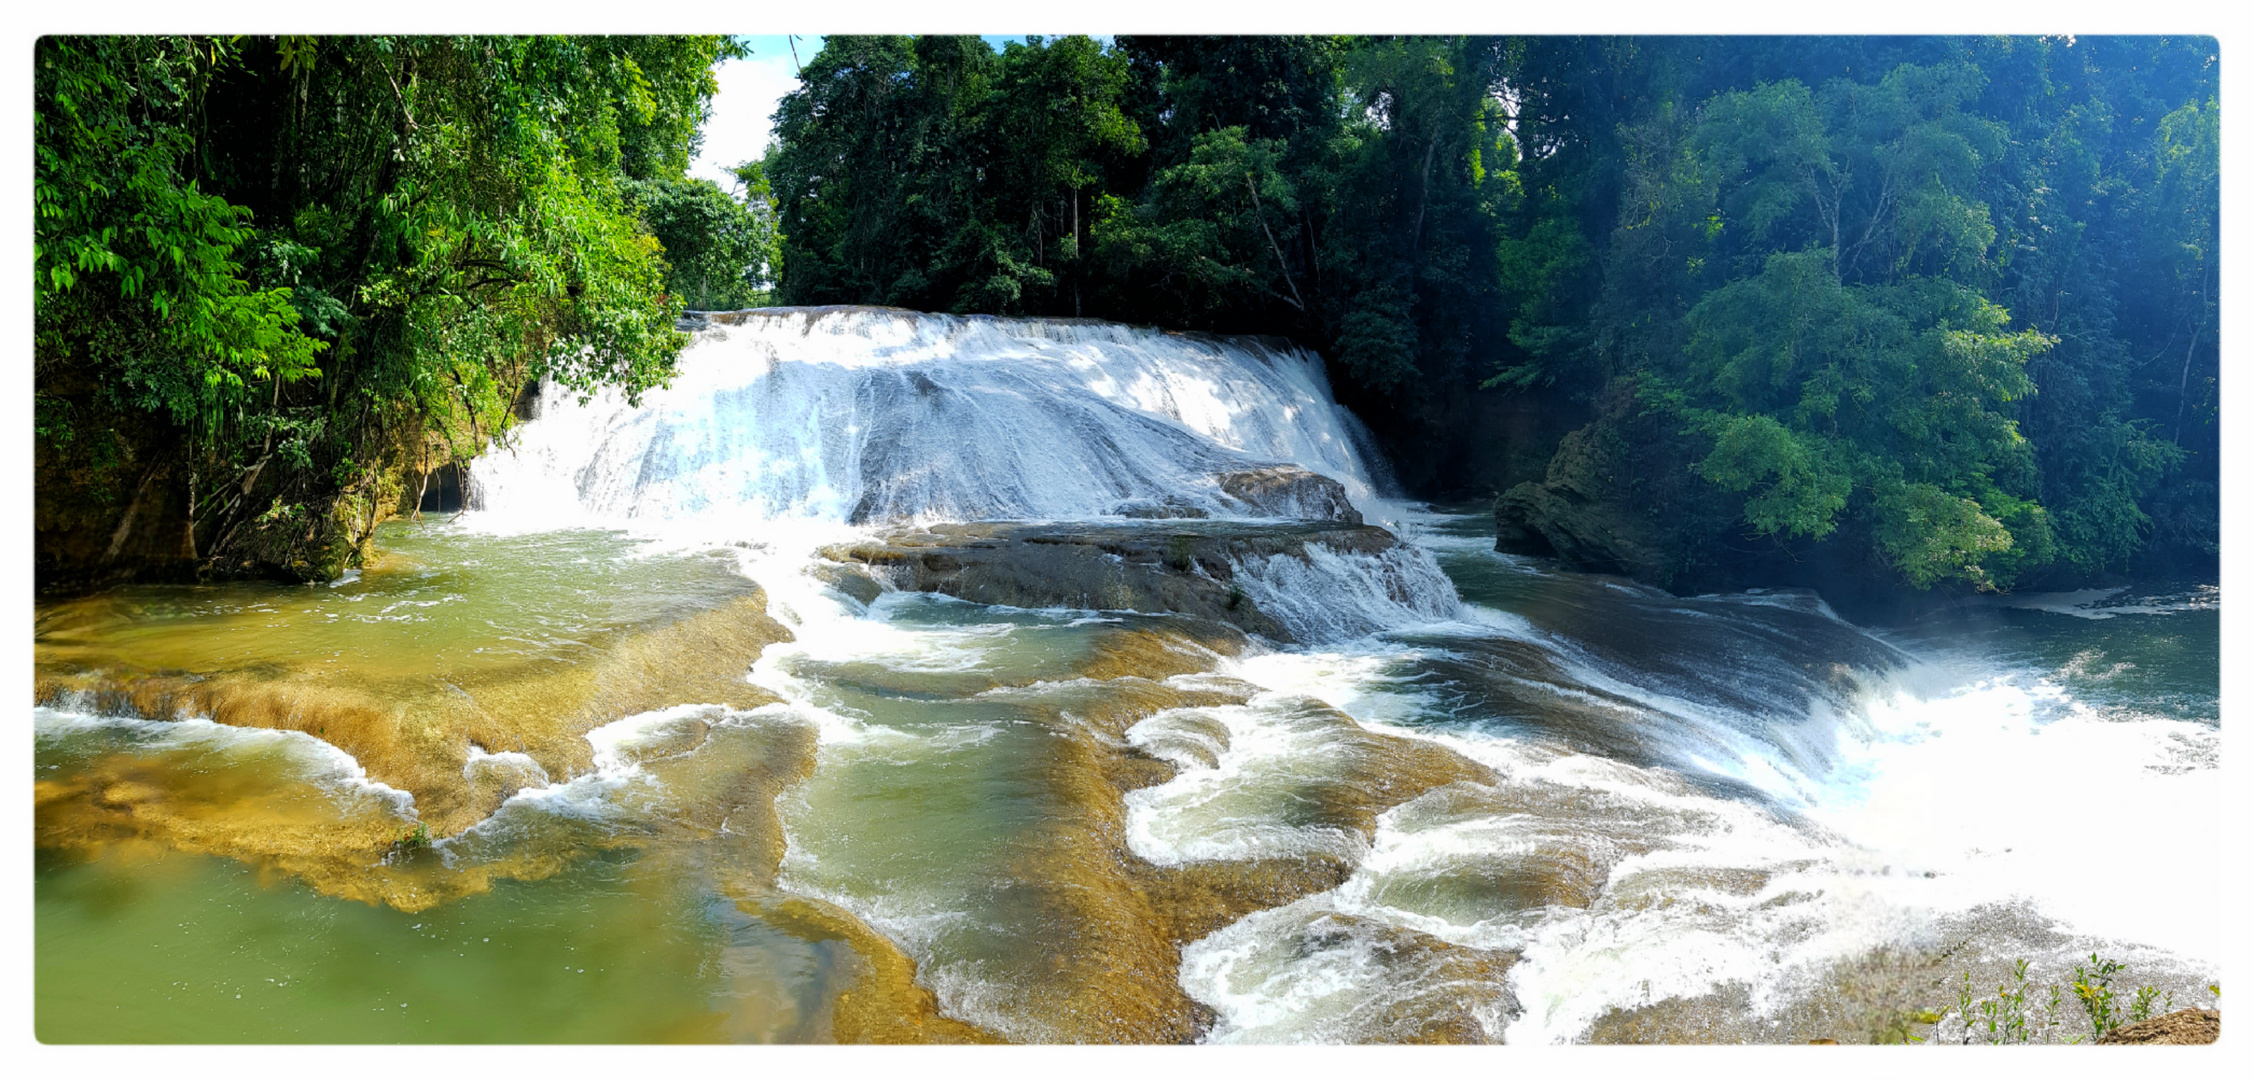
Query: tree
point(720, 252)
point(439, 220)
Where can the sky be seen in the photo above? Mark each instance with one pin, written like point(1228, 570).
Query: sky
point(749, 89)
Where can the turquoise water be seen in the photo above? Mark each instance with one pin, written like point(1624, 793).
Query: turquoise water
point(197, 949)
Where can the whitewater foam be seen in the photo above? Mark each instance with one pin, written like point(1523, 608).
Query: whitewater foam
point(1925, 797)
point(304, 758)
point(871, 415)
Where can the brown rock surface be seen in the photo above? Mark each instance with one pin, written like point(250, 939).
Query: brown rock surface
point(2184, 1027)
point(875, 998)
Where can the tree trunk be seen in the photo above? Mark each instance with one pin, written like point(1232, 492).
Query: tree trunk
point(1424, 197)
point(424, 487)
point(1281, 266)
point(125, 524)
point(2183, 384)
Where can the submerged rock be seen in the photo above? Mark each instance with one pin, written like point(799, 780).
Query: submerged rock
point(872, 993)
point(459, 747)
point(416, 732)
point(1187, 568)
point(1080, 939)
point(708, 784)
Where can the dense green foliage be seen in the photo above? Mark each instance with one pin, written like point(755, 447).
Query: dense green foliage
point(275, 277)
point(1942, 308)
point(722, 252)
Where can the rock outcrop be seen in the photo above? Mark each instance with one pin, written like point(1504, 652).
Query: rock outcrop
point(1188, 569)
point(1288, 491)
point(2184, 1027)
point(1571, 517)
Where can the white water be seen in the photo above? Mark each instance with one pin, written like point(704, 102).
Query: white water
point(293, 757)
point(1854, 823)
point(1945, 791)
point(874, 415)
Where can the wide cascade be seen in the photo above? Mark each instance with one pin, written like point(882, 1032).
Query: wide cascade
point(875, 415)
point(969, 679)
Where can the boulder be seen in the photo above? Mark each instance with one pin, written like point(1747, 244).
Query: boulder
point(1619, 499)
point(1288, 491)
point(1542, 520)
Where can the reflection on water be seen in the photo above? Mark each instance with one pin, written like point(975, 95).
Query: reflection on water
point(439, 601)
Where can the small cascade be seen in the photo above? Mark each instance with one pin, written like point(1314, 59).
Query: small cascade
point(1329, 595)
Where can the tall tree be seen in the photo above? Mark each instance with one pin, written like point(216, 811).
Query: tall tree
point(436, 221)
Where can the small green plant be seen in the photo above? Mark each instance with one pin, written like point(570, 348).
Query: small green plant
point(1966, 1004)
point(417, 837)
point(2005, 1018)
point(1895, 1029)
point(2140, 1007)
point(1178, 550)
point(2008, 1017)
point(2094, 986)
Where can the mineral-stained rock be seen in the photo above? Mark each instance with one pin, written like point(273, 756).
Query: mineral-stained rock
point(873, 994)
point(415, 733)
point(1186, 568)
point(2180, 1028)
point(458, 745)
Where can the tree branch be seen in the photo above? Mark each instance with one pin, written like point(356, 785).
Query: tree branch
point(1285, 267)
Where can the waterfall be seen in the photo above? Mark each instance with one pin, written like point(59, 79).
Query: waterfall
point(873, 415)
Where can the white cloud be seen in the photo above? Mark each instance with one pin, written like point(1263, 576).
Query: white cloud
point(739, 126)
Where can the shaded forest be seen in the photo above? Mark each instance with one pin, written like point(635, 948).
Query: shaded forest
point(1911, 310)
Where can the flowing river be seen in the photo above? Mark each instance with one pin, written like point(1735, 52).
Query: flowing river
point(909, 678)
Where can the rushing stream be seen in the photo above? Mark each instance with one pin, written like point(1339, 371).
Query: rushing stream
point(659, 741)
